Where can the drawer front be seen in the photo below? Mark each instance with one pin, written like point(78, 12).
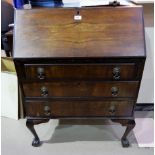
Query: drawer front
point(106, 71)
point(81, 89)
point(79, 108)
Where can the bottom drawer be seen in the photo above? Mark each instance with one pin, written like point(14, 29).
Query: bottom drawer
point(79, 108)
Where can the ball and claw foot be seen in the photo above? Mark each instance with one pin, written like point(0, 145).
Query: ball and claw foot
point(125, 142)
point(36, 142)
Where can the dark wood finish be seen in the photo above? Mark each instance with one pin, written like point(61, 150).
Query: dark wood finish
point(102, 32)
point(130, 125)
point(22, 63)
point(80, 108)
point(81, 89)
point(90, 68)
point(107, 71)
point(30, 125)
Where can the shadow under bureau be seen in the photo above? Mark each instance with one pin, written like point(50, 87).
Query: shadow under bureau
point(90, 67)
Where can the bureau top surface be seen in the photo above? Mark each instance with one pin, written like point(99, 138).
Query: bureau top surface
point(101, 32)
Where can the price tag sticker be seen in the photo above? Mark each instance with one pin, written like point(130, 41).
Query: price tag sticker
point(27, 6)
point(77, 17)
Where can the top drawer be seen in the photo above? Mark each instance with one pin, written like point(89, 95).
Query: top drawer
point(125, 71)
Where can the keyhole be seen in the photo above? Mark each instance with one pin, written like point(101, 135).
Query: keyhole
point(77, 17)
point(78, 12)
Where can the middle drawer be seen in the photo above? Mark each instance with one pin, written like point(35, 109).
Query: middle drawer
point(81, 89)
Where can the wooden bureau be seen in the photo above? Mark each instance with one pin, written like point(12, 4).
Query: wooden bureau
point(88, 68)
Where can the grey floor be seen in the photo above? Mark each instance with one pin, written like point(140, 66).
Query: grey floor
point(69, 137)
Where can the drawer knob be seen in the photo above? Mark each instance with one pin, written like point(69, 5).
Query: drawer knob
point(116, 73)
point(47, 111)
point(112, 109)
point(114, 91)
point(44, 91)
point(41, 73)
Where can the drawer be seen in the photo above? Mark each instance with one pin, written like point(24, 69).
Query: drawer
point(79, 108)
point(81, 89)
point(117, 71)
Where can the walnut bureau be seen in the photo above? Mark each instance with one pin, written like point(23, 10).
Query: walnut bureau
point(79, 63)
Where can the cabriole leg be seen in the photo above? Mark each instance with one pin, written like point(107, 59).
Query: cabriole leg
point(130, 125)
point(30, 125)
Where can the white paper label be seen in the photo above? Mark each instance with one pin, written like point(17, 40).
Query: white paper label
point(27, 6)
point(77, 17)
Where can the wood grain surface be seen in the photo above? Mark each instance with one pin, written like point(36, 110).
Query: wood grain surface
point(102, 32)
point(82, 108)
point(80, 71)
point(81, 89)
